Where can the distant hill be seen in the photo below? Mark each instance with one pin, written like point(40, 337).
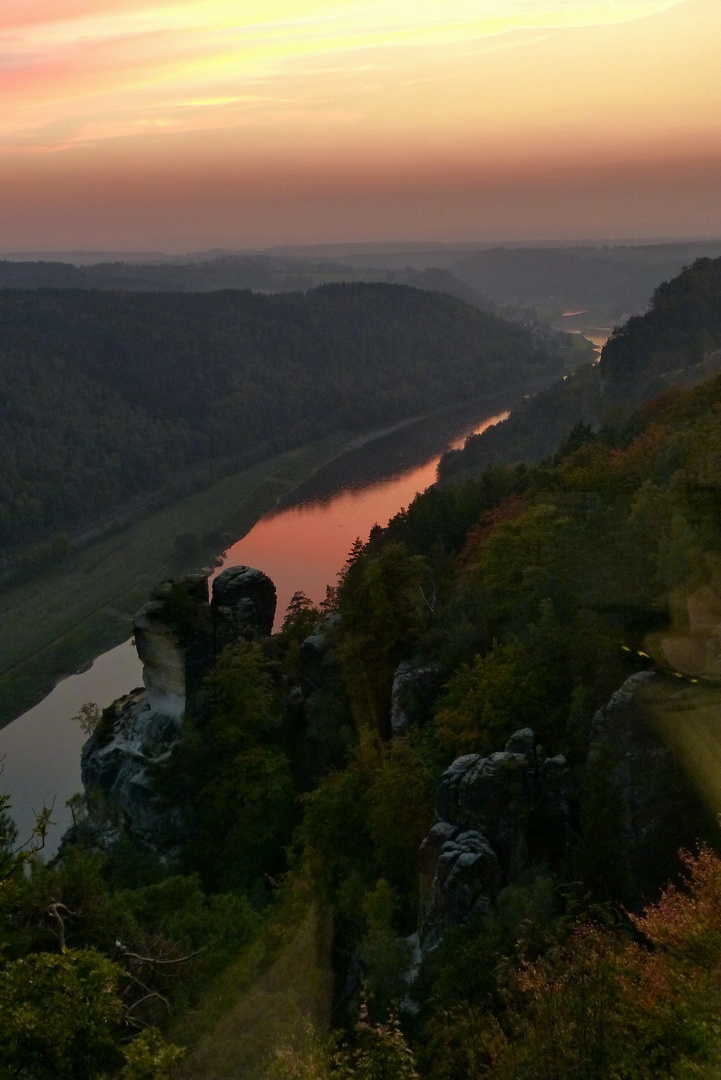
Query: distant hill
point(107, 395)
point(611, 282)
point(261, 273)
point(677, 342)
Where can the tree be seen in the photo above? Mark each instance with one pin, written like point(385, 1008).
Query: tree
point(382, 607)
point(89, 717)
point(61, 1016)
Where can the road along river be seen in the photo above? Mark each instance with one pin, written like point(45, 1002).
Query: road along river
point(301, 545)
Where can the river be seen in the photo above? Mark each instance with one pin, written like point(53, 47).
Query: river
point(301, 545)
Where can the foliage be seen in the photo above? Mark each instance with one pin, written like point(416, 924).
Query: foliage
point(377, 1051)
point(61, 1016)
point(487, 701)
point(385, 956)
point(400, 812)
point(188, 384)
point(522, 597)
point(382, 605)
point(149, 1057)
point(88, 717)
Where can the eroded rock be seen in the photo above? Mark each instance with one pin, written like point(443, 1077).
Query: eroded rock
point(494, 814)
point(638, 740)
point(243, 605)
point(178, 636)
point(412, 696)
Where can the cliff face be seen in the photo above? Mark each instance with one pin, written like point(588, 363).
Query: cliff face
point(178, 635)
point(174, 640)
point(635, 741)
point(497, 815)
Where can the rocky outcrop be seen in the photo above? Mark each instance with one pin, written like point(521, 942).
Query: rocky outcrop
point(497, 815)
point(116, 770)
point(243, 605)
point(178, 636)
point(314, 650)
point(415, 688)
point(493, 813)
point(174, 640)
point(637, 740)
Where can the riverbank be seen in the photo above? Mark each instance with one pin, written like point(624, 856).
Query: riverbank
point(300, 547)
point(55, 624)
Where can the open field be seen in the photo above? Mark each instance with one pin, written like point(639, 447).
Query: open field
point(54, 624)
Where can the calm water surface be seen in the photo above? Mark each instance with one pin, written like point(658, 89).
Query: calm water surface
point(301, 545)
point(304, 546)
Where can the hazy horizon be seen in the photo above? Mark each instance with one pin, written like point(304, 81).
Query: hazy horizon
point(337, 250)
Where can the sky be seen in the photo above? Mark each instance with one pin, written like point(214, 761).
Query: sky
point(188, 125)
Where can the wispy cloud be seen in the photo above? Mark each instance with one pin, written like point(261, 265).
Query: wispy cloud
point(106, 69)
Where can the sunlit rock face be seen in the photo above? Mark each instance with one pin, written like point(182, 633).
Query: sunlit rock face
point(178, 636)
point(174, 640)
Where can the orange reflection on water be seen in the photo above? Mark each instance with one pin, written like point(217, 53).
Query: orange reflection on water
point(304, 547)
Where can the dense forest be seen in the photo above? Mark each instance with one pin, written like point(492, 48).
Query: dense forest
point(477, 765)
point(108, 396)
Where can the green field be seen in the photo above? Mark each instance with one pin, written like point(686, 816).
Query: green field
point(54, 624)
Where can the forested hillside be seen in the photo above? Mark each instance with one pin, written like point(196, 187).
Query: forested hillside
point(678, 341)
point(106, 396)
point(612, 281)
point(474, 766)
point(261, 273)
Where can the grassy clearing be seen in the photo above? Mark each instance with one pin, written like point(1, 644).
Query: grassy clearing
point(54, 624)
point(265, 1000)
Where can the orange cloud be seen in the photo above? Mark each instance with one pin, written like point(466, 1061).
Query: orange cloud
point(226, 107)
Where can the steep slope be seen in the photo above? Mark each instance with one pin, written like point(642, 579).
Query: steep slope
point(104, 396)
point(612, 281)
point(678, 342)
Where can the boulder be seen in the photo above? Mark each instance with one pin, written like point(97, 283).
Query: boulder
point(243, 605)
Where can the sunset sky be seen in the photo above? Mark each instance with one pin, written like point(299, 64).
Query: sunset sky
point(133, 124)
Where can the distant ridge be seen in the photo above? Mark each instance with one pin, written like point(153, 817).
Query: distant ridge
point(85, 258)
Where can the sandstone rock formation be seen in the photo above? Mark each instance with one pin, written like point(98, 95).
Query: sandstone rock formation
point(414, 691)
point(489, 810)
point(243, 605)
point(498, 814)
point(638, 739)
point(174, 641)
point(178, 635)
